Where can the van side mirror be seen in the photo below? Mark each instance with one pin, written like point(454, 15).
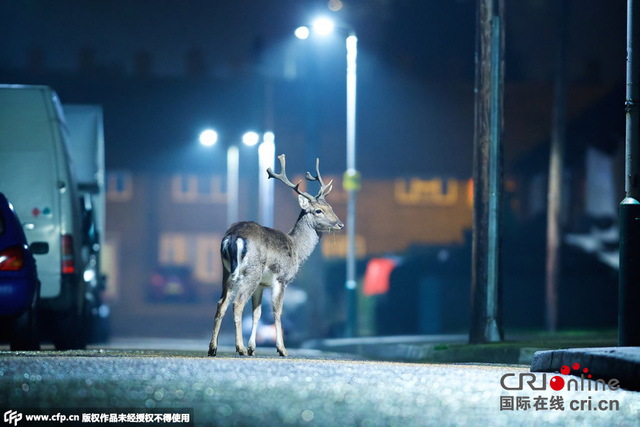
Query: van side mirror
point(39, 248)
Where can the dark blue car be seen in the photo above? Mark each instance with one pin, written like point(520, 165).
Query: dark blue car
point(19, 285)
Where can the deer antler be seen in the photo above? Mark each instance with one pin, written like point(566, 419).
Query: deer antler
point(324, 188)
point(282, 176)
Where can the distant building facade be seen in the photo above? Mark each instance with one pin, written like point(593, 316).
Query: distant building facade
point(163, 221)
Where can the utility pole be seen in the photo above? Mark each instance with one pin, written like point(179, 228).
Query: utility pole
point(556, 162)
point(629, 277)
point(486, 313)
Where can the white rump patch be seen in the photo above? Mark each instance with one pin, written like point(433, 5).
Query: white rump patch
point(225, 255)
point(239, 249)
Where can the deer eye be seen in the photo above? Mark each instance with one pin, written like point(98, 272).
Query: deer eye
point(319, 211)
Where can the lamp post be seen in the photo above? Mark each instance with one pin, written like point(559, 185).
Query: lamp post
point(351, 179)
point(266, 159)
point(351, 184)
point(208, 138)
point(233, 176)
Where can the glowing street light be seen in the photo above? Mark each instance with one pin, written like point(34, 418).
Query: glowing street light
point(302, 33)
point(351, 183)
point(233, 175)
point(266, 159)
point(208, 137)
point(233, 178)
point(250, 139)
point(323, 26)
point(351, 180)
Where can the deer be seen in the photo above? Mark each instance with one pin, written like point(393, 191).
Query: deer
point(255, 257)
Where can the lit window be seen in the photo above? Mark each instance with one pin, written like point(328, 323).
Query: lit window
point(197, 189)
point(200, 251)
point(173, 249)
point(119, 186)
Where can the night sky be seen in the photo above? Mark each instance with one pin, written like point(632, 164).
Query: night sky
point(165, 69)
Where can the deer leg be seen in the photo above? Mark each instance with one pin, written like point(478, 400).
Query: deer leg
point(223, 303)
point(277, 295)
point(238, 307)
point(256, 302)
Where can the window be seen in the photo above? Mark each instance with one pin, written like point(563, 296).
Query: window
point(335, 246)
point(435, 192)
point(119, 186)
point(208, 263)
point(173, 249)
point(197, 189)
point(200, 251)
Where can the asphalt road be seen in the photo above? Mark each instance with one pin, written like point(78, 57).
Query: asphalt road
point(307, 389)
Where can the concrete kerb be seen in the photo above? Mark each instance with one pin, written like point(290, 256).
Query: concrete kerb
point(456, 348)
point(449, 349)
point(622, 363)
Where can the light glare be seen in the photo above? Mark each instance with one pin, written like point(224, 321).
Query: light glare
point(335, 5)
point(323, 26)
point(267, 153)
point(302, 33)
point(250, 138)
point(89, 275)
point(352, 43)
point(208, 137)
point(268, 137)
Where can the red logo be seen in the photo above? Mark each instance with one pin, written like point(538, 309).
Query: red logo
point(557, 382)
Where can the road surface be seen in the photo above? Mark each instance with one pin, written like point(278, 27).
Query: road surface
point(307, 389)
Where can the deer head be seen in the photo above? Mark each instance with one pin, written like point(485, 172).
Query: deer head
point(320, 213)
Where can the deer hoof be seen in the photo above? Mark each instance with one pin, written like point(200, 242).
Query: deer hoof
point(251, 351)
point(282, 352)
point(212, 351)
point(241, 351)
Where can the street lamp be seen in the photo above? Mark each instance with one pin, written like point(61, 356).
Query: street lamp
point(266, 159)
point(351, 180)
point(323, 26)
point(250, 138)
point(233, 175)
point(209, 138)
point(302, 33)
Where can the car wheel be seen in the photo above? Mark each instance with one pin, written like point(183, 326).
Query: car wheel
point(91, 306)
point(69, 331)
point(24, 332)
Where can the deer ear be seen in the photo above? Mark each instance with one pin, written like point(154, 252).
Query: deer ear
point(304, 202)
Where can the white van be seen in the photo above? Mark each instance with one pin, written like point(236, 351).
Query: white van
point(37, 177)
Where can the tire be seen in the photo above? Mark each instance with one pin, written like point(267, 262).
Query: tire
point(69, 331)
point(91, 306)
point(25, 331)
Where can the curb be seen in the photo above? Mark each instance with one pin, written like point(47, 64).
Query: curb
point(621, 363)
point(438, 353)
